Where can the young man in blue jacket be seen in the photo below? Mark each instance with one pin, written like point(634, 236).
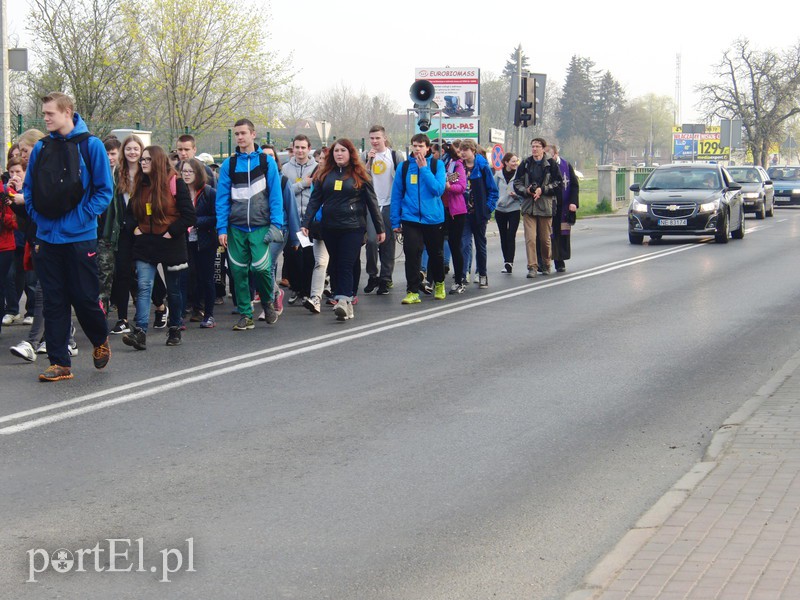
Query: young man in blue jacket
point(250, 217)
point(418, 213)
point(66, 245)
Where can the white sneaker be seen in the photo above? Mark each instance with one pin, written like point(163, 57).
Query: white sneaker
point(27, 321)
point(262, 316)
point(41, 348)
point(341, 310)
point(9, 319)
point(24, 350)
point(72, 349)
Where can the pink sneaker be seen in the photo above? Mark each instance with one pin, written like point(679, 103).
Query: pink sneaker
point(279, 302)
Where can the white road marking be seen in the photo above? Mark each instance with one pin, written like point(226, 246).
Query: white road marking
point(305, 346)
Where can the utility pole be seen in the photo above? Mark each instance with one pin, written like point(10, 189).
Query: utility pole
point(518, 144)
point(5, 110)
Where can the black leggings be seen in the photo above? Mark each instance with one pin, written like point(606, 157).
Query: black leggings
point(507, 225)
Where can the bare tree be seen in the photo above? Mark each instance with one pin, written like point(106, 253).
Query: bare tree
point(760, 88)
point(87, 39)
point(346, 111)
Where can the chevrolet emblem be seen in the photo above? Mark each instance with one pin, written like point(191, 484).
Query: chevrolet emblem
point(673, 207)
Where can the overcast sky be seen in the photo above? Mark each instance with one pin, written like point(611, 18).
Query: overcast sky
point(376, 46)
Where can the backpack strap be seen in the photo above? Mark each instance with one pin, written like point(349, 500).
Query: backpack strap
point(232, 167)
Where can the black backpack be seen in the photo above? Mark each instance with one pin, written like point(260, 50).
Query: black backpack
point(434, 164)
point(57, 184)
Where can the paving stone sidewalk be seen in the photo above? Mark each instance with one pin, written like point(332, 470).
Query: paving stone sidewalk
point(730, 528)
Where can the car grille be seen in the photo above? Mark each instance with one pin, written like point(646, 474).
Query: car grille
point(673, 210)
point(783, 192)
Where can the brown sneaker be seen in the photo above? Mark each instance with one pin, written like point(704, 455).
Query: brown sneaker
point(101, 354)
point(56, 373)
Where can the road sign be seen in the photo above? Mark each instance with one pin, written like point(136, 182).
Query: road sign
point(497, 156)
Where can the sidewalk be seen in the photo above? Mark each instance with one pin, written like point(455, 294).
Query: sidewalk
point(730, 527)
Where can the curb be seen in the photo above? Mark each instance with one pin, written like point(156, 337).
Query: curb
point(612, 563)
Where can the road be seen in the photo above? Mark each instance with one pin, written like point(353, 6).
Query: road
point(496, 444)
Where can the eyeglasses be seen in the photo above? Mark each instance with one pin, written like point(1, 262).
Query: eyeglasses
point(145, 160)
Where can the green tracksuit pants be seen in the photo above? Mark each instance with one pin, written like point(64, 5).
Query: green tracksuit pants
point(247, 253)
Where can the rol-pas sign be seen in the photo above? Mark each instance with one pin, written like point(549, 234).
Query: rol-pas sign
point(457, 93)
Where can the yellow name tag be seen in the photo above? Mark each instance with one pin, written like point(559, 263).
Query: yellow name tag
point(148, 209)
point(337, 185)
point(298, 180)
point(413, 179)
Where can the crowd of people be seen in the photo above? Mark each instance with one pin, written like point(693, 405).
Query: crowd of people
point(87, 225)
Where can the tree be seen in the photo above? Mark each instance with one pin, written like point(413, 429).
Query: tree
point(199, 71)
point(649, 125)
point(761, 88)
point(609, 116)
point(346, 111)
point(577, 98)
point(86, 40)
point(511, 63)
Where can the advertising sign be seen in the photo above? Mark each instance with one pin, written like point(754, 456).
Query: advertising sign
point(452, 129)
point(699, 146)
point(457, 89)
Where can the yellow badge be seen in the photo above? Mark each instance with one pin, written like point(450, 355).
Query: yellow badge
point(148, 208)
point(298, 180)
point(378, 167)
point(337, 185)
point(413, 179)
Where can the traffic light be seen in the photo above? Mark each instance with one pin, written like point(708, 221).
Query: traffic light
point(522, 106)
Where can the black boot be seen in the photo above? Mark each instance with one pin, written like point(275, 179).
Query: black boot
point(136, 338)
point(174, 336)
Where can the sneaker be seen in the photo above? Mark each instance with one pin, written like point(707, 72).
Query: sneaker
point(136, 339)
point(56, 373)
point(466, 278)
point(41, 348)
point(383, 288)
point(411, 298)
point(27, 321)
point(458, 288)
point(326, 289)
point(271, 314)
point(293, 297)
point(9, 319)
point(439, 294)
point(343, 310)
point(546, 270)
point(284, 282)
point(350, 312)
point(312, 304)
point(174, 336)
point(160, 322)
point(279, 302)
point(72, 348)
point(561, 269)
point(531, 274)
point(354, 301)
point(24, 350)
point(262, 316)
point(101, 354)
point(372, 285)
point(507, 268)
point(390, 284)
point(244, 323)
point(218, 301)
point(208, 323)
point(121, 327)
point(483, 282)
point(330, 302)
point(197, 315)
point(426, 288)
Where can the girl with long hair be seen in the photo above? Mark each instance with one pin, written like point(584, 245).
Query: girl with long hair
point(507, 211)
point(158, 215)
point(343, 189)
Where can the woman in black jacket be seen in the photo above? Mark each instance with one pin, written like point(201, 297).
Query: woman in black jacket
point(158, 214)
point(343, 189)
point(202, 239)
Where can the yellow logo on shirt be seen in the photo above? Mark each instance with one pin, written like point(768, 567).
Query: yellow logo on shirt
point(337, 185)
point(378, 167)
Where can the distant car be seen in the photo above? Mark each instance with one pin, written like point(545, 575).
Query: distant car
point(758, 192)
point(687, 199)
point(787, 185)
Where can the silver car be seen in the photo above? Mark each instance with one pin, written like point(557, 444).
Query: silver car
point(758, 193)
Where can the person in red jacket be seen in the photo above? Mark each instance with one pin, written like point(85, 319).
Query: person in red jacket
point(8, 223)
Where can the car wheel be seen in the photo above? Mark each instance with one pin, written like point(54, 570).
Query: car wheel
point(738, 234)
point(762, 210)
point(635, 238)
point(723, 228)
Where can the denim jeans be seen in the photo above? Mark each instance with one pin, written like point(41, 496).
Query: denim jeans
point(474, 228)
point(145, 275)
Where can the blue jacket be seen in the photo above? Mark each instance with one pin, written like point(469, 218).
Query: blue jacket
point(422, 200)
point(482, 193)
point(79, 224)
point(205, 209)
point(292, 217)
point(243, 203)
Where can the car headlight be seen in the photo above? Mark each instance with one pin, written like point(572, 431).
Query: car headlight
point(709, 206)
point(751, 195)
point(638, 207)
point(796, 191)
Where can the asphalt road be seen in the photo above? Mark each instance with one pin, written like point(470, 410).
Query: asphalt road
point(496, 444)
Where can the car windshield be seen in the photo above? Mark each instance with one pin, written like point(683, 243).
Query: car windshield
point(683, 179)
point(784, 173)
point(745, 175)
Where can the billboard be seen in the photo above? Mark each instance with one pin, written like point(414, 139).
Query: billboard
point(457, 89)
point(699, 146)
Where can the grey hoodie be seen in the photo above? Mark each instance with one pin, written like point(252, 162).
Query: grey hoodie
point(295, 174)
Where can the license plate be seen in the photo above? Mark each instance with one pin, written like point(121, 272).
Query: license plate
point(782, 199)
point(672, 222)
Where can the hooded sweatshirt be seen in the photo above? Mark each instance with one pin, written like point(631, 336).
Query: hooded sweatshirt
point(79, 224)
point(295, 173)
